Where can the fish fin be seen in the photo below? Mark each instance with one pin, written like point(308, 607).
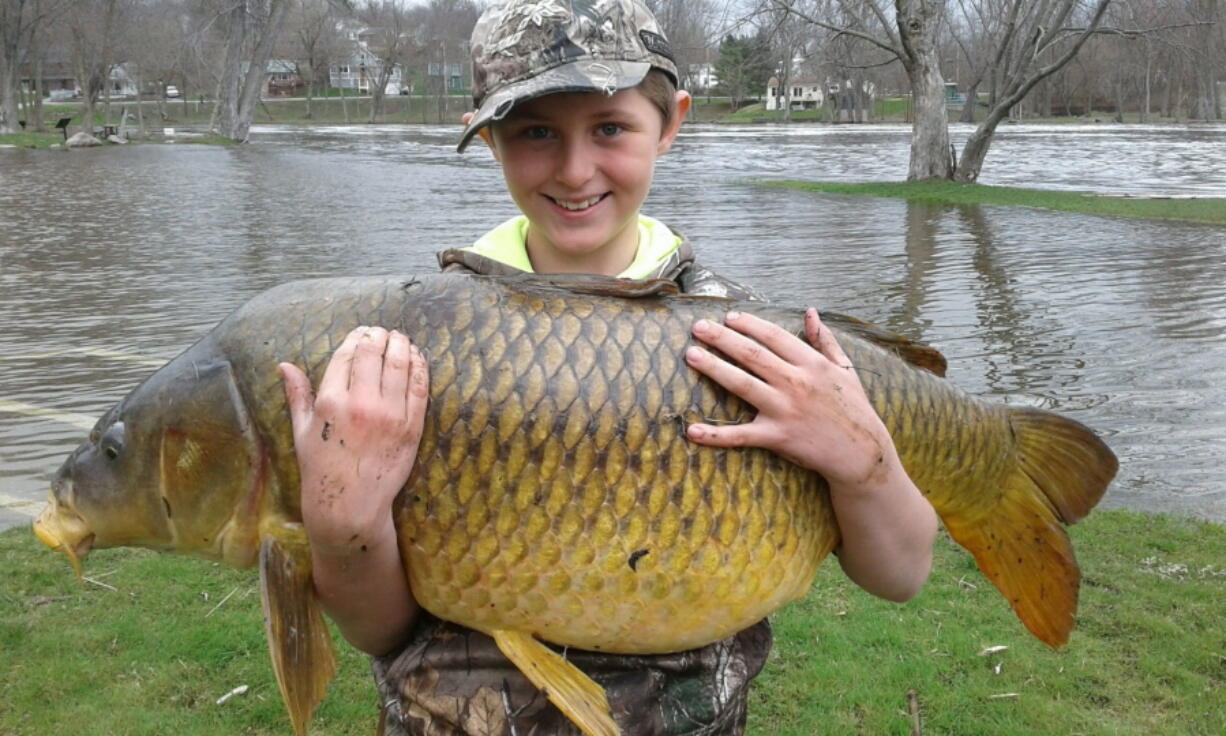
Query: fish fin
point(913, 352)
point(574, 693)
point(597, 285)
point(1063, 469)
point(298, 639)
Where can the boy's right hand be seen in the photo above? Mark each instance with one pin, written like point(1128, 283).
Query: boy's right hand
point(357, 439)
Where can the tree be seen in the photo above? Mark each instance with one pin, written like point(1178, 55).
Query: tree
point(20, 21)
point(387, 39)
point(316, 39)
point(1036, 38)
point(94, 29)
point(248, 29)
point(743, 67)
point(910, 37)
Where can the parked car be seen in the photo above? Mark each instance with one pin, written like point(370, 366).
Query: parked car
point(172, 91)
point(61, 95)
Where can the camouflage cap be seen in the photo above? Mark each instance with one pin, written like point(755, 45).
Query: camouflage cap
point(524, 49)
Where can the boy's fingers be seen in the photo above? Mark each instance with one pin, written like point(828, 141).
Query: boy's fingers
point(365, 376)
point(734, 435)
point(731, 377)
point(336, 375)
point(742, 349)
point(822, 340)
point(419, 393)
point(397, 364)
point(297, 393)
point(782, 343)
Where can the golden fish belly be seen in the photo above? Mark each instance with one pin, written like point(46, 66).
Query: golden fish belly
point(636, 565)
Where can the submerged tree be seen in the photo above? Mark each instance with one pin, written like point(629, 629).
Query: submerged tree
point(1035, 39)
point(249, 31)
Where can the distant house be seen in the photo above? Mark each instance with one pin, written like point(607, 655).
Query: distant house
point(702, 78)
point(281, 79)
point(801, 93)
point(60, 77)
point(360, 67)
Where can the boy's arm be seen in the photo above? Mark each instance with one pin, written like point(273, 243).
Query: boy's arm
point(356, 445)
point(813, 411)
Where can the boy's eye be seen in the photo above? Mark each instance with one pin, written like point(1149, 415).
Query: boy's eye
point(536, 132)
point(610, 129)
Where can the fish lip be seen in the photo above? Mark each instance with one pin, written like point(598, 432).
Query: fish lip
point(63, 529)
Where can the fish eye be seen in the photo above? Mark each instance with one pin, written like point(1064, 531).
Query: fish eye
point(112, 441)
point(95, 434)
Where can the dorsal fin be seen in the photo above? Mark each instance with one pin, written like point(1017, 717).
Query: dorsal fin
point(596, 285)
point(916, 353)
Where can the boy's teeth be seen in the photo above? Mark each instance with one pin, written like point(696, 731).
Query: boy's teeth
point(582, 204)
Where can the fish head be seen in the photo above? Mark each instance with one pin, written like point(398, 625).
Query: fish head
point(177, 465)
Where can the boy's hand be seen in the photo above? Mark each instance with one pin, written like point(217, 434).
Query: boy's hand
point(357, 440)
point(812, 408)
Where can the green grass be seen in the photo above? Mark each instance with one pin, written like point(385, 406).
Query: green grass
point(1211, 210)
point(32, 139)
point(1148, 656)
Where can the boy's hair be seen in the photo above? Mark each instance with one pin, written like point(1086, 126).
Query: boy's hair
point(660, 90)
point(525, 49)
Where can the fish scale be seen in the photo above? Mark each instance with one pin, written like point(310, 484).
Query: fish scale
point(555, 496)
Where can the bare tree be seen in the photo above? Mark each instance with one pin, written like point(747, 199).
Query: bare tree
point(316, 41)
point(387, 40)
point(94, 28)
point(248, 29)
point(1037, 40)
point(910, 36)
point(20, 22)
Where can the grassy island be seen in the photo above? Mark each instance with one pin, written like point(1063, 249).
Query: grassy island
point(1209, 210)
point(151, 643)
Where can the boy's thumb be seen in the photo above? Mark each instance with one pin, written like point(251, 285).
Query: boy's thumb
point(297, 392)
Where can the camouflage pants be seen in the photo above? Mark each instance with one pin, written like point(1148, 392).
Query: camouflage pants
point(452, 681)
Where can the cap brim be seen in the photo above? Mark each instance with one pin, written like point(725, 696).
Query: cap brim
point(588, 75)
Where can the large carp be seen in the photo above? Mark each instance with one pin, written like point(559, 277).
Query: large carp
point(555, 497)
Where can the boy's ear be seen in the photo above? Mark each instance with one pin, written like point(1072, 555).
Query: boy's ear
point(680, 110)
point(489, 142)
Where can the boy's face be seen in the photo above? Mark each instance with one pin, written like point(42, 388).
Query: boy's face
point(579, 166)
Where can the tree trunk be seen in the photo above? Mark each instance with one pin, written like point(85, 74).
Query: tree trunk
point(918, 22)
point(251, 29)
point(972, 101)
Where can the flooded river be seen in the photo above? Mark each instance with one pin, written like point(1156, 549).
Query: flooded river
point(113, 260)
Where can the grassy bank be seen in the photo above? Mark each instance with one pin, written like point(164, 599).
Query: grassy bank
point(32, 139)
point(1211, 210)
point(152, 651)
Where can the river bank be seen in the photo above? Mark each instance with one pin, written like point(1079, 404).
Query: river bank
point(178, 633)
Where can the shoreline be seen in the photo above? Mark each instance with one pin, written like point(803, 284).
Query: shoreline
point(1196, 210)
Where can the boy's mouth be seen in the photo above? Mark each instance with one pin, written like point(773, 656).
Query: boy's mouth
point(578, 205)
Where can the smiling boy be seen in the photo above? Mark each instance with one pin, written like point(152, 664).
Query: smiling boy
point(576, 101)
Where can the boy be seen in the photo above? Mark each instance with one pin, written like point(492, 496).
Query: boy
point(576, 101)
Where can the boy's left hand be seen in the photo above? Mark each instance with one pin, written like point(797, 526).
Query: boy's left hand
point(812, 408)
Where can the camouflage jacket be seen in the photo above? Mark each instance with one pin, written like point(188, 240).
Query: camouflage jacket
point(453, 681)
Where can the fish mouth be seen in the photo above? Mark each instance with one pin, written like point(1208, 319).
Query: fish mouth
point(63, 529)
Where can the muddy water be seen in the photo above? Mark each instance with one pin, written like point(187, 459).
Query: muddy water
point(113, 260)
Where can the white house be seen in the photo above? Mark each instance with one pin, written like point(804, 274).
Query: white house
point(362, 67)
point(802, 93)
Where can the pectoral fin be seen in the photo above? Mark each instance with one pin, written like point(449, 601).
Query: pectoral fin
point(574, 693)
point(298, 638)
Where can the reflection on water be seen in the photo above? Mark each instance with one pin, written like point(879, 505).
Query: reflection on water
point(112, 257)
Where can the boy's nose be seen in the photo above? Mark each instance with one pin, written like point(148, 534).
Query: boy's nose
point(577, 166)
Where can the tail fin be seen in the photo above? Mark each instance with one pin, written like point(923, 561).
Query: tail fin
point(1062, 471)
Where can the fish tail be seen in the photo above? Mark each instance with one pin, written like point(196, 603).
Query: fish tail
point(1061, 471)
point(574, 693)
